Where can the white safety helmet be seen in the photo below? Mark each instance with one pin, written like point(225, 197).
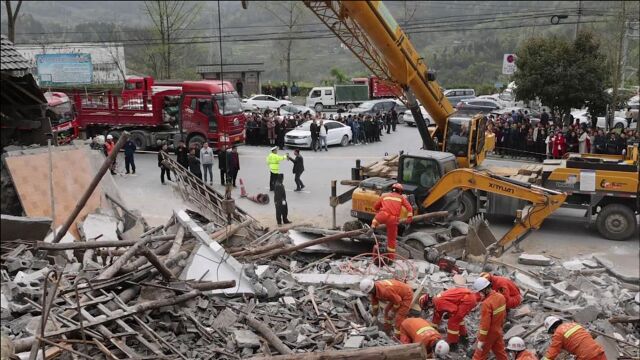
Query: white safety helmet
point(442, 348)
point(366, 285)
point(550, 321)
point(109, 137)
point(100, 139)
point(516, 344)
point(480, 284)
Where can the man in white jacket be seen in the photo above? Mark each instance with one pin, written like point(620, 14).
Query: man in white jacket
point(583, 142)
point(206, 159)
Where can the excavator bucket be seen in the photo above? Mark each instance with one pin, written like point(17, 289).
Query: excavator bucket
point(476, 243)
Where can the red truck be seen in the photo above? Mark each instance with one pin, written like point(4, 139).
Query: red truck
point(61, 113)
point(135, 86)
point(195, 111)
point(377, 89)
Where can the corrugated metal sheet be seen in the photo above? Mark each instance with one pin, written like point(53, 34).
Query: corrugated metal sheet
point(10, 58)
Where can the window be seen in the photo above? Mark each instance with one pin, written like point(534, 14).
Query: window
point(315, 93)
point(328, 92)
point(457, 137)
point(228, 103)
point(270, 98)
point(332, 125)
point(193, 104)
point(204, 106)
point(130, 86)
point(420, 172)
point(469, 92)
point(261, 98)
point(139, 85)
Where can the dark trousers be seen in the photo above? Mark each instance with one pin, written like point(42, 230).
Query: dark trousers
point(232, 175)
point(272, 180)
point(207, 169)
point(223, 176)
point(388, 126)
point(393, 125)
point(164, 170)
point(281, 213)
point(129, 163)
point(314, 143)
point(299, 184)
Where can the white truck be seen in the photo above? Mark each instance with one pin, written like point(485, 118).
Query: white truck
point(344, 97)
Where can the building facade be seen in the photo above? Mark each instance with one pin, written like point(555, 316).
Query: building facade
point(247, 73)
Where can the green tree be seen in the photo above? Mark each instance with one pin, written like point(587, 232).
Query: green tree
point(339, 76)
point(560, 73)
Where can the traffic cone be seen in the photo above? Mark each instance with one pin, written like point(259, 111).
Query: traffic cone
point(259, 198)
point(243, 192)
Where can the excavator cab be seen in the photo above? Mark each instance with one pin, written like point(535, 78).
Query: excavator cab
point(467, 139)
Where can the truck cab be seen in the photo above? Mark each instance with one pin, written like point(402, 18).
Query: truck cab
point(210, 110)
point(62, 114)
point(321, 97)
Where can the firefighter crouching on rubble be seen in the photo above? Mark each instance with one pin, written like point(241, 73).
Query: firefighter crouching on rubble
point(388, 208)
point(421, 331)
point(398, 295)
point(519, 350)
point(506, 287)
point(573, 338)
point(493, 312)
point(453, 304)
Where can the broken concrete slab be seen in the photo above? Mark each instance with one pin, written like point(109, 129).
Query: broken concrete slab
point(23, 228)
point(225, 319)
point(534, 259)
point(529, 282)
point(246, 339)
point(564, 288)
point(99, 226)
point(610, 347)
point(515, 330)
point(522, 311)
point(353, 342)
point(573, 265)
point(335, 280)
point(623, 266)
point(587, 315)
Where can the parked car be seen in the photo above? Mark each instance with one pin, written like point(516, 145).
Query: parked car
point(495, 97)
point(477, 105)
point(456, 95)
point(618, 121)
point(534, 115)
point(337, 134)
point(372, 107)
point(262, 102)
point(296, 109)
point(408, 119)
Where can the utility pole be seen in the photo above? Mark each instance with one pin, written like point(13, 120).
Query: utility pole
point(579, 16)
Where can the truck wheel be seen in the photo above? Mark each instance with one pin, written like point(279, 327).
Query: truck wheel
point(619, 125)
point(196, 140)
point(351, 107)
point(467, 207)
point(318, 107)
point(616, 222)
point(344, 141)
point(139, 138)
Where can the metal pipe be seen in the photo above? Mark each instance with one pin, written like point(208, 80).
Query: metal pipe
point(92, 186)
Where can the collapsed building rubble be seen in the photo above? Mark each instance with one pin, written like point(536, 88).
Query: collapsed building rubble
point(214, 284)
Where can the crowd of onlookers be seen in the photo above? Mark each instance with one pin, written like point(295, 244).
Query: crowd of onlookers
point(270, 128)
point(552, 137)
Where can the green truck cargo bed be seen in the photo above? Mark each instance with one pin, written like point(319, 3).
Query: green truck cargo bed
point(351, 93)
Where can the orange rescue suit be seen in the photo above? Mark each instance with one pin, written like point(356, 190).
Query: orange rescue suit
point(508, 289)
point(388, 208)
point(418, 330)
point(527, 355)
point(493, 311)
point(398, 295)
point(457, 302)
point(576, 340)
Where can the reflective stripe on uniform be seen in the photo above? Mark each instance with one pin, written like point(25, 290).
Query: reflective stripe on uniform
point(397, 332)
point(387, 282)
point(453, 332)
point(391, 198)
point(483, 332)
point(424, 329)
point(499, 310)
point(545, 358)
point(462, 323)
point(396, 306)
point(571, 331)
point(391, 249)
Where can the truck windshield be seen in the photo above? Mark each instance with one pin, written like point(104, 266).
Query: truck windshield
point(60, 113)
point(228, 103)
point(458, 137)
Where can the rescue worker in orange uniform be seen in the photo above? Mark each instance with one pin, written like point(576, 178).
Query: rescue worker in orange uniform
point(453, 304)
point(506, 287)
point(573, 338)
point(519, 349)
point(493, 312)
point(418, 330)
point(398, 295)
point(388, 208)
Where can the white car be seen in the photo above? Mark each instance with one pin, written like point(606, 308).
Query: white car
point(337, 134)
point(496, 98)
point(408, 119)
point(296, 109)
point(618, 121)
point(262, 102)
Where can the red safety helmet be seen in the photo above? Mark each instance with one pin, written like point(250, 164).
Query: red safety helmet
point(397, 187)
point(424, 301)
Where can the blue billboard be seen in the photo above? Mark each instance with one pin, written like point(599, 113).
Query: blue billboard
point(59, 69)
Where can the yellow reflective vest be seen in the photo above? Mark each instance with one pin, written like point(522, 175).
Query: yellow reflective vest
point(273, 160)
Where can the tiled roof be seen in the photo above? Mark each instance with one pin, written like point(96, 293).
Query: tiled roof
point(10, 58)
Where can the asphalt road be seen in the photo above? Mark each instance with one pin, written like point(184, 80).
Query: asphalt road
point(564, 234)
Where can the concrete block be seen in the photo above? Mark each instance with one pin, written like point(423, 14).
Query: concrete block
point(522, 311)
point(623, 266)
point(592, 264)
point(573, 265)
point(246, 339)
point(587, 315)
point(564, 288)
point(95, 225)
point(515, 330)
point(459, 279)
point(528, 282)
point(534, 259)
point(288, 301)
point(225, 319)
point(335, 280)
point(353, 342)
point(262, 271)
point(610, 347)
point(271, 287)
point(340, 296)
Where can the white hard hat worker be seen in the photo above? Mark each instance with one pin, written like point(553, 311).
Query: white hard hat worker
point(551, 322)
point(480, 284)
point(366, 285)
point(516, 344)
point(109, 137)
point(441, 348)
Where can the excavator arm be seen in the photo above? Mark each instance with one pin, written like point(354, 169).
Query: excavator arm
point(543, 201)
